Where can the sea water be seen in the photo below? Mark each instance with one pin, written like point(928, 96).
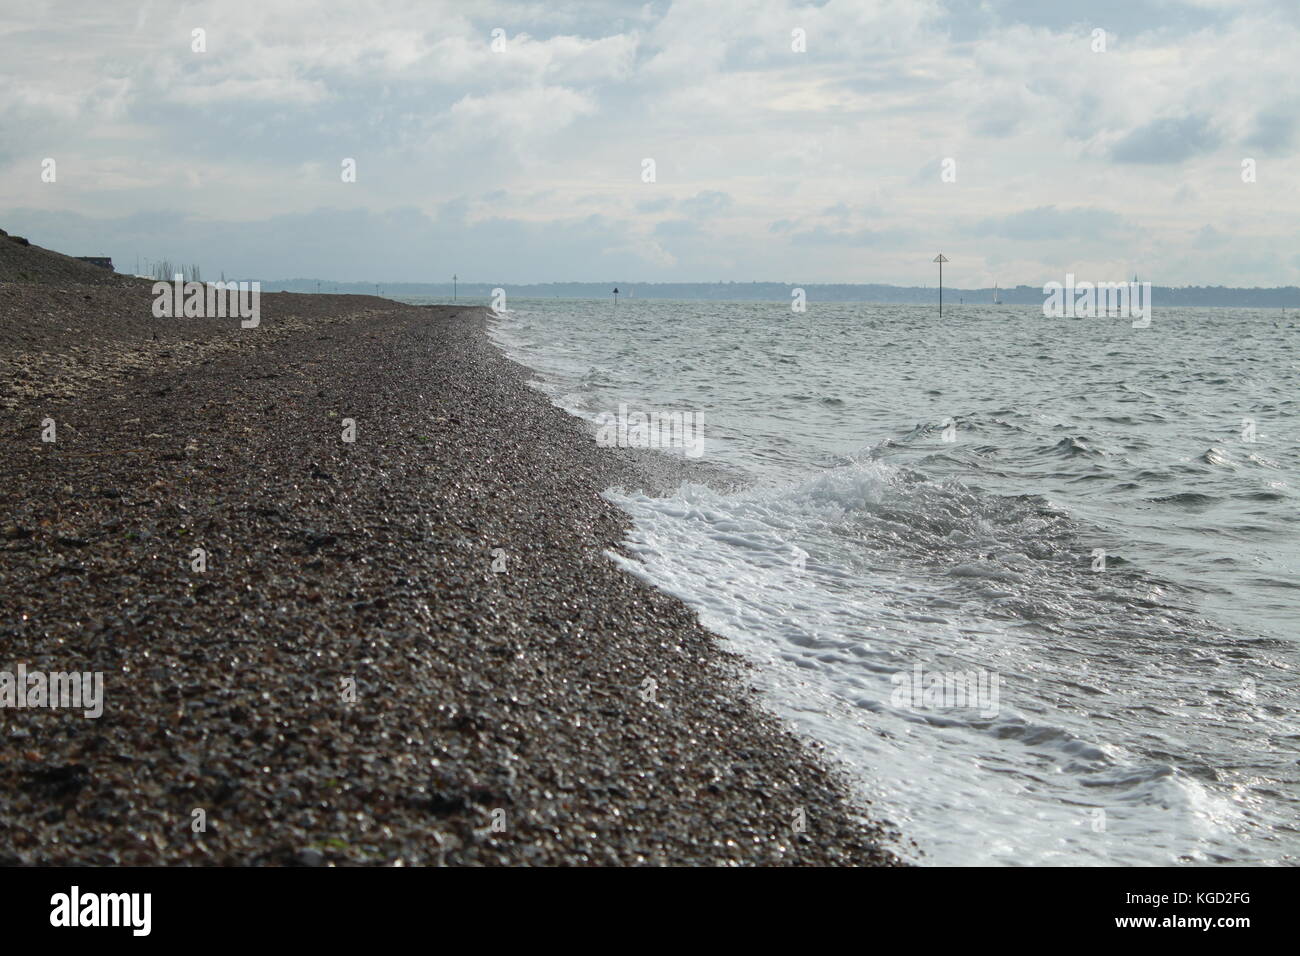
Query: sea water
point(1034, 582)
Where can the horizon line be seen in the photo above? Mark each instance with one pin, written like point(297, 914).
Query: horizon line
point(747, 282)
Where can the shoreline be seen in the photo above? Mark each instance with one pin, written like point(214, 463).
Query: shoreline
point(557, 712)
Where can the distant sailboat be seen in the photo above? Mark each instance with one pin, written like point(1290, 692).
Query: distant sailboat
point(997, 299)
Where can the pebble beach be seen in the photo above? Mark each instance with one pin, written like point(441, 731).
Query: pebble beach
point(409, 648)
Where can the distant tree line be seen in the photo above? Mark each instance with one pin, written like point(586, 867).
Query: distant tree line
point(165, 271)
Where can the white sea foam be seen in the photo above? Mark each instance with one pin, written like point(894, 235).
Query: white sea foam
point(1020, 788)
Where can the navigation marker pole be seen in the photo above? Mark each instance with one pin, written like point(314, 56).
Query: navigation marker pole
point(453, 287)
point(616, 297)
point(941, 259)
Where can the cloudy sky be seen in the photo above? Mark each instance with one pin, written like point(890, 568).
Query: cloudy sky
point(526, 162)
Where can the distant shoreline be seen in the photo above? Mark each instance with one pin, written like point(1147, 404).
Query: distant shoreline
point(1283, 297)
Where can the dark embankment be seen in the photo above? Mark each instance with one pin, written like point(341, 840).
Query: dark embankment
point(518, 698)
point(23, 262)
